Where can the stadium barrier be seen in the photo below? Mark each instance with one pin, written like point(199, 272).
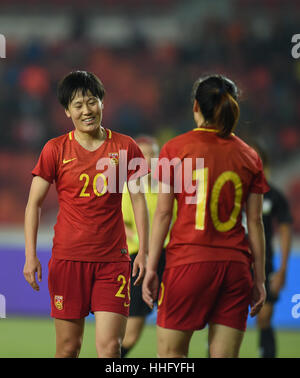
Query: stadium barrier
point(22, 300)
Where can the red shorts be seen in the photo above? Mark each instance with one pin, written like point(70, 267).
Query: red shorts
point(77, 288)
point(194, 295)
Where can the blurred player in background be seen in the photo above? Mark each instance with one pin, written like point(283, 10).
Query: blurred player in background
point(276, 213)
point(138, 308)
point(207, 278)
point(89, 270)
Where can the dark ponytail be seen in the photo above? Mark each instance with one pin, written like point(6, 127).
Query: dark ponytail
point(217, 99)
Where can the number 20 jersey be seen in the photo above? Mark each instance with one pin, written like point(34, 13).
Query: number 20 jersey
point(209, 228)
point(89, 224)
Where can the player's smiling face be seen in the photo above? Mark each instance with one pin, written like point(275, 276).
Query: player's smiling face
point(85, 112)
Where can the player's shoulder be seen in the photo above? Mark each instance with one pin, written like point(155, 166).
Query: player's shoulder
point(179, 138)
point(120, 138)
point(62, 138)
point(245, 150)
point(178, 141)
point(56, 142)
point(243, 146)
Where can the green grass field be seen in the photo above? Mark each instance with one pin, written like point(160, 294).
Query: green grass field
point(35, 337)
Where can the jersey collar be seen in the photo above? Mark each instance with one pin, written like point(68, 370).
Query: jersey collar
point(205, 129)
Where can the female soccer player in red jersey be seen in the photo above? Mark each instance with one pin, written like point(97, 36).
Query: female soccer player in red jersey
point(207, 279)
point(89, 270)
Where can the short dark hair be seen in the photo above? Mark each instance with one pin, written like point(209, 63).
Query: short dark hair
point(217, 98)
point(79, 81)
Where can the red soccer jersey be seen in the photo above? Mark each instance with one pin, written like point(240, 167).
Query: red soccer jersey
point(208, 225)
point(89, 184)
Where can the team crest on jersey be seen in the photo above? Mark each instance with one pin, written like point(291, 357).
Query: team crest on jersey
point(59, 302)
point(114, 158)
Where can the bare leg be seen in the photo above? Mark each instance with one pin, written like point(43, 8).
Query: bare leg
point(110, 331)
point(69, 335)
point(267, 340)
point(265, 315)
point(173, 343)
point(134, 328)
point(224, 342)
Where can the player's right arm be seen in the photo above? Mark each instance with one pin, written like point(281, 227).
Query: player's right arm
point(256, 237)
point(38, 191)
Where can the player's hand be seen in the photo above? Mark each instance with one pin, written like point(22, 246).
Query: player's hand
point(258, 298)
point(139, 266)
point(150, 287)
point(31, 267)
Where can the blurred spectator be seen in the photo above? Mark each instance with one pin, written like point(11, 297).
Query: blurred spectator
point(147, 83)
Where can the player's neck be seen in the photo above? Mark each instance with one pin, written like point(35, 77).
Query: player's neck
point(204, 125)
point(90, 141)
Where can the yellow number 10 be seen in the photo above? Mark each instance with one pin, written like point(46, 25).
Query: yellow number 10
point(201, 177)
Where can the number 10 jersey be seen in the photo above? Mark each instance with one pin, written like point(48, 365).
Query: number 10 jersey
point(210, 195)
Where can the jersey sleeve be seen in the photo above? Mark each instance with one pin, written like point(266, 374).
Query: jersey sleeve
point(164, 171)
point(259, 183)
point(46, 165)
point(137, 165)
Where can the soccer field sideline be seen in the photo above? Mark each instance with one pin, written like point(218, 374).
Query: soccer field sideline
point(19, 336)
point(21, 300)
point(35, 338)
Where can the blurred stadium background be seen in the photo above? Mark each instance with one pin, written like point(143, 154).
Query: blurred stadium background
point(148, 53)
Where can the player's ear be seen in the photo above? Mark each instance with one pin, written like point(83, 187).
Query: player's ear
point(196, 107)
point(68, 114)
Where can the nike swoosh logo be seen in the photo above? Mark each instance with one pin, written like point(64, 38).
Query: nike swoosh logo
point(126, 304)
point(68, 161)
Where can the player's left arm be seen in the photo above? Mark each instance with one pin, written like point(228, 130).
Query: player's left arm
point(141, 217)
